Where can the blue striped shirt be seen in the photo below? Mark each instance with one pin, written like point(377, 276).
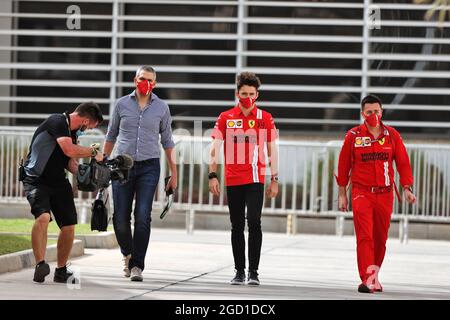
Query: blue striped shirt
point(136, 131)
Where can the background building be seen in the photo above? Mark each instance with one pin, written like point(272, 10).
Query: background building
point(315, 58)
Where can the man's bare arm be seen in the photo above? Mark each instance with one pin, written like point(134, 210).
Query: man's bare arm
point(108, 147)
point(272, 154)
point(72, 150)
point(72, 166)
point(170, 156)
point(214, 186)
point(214, 154)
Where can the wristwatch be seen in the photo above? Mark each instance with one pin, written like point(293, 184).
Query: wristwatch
point(212, 175)
point(408, 188)
point(274, 178)
point(94, 152)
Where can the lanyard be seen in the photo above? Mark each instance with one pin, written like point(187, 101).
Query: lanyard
point(68, 123)
point(68, 127)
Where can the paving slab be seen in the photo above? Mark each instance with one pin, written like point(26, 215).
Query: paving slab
point(199, 267)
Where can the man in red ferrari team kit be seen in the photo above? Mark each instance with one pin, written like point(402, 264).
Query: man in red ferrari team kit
point(366, 158)
point(246, 130)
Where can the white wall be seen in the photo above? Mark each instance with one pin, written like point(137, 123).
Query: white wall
point(5, 57)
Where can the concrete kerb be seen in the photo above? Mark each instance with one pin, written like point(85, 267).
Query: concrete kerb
point(103, 240)
point(25, 259)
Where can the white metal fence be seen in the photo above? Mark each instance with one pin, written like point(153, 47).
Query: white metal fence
point(14, 145)
point(307, 184)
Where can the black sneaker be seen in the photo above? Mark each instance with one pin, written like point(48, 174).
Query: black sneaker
point(239, 278)
point(63, 275)
point(41, 271)
point(363, 288)
point(253, 278)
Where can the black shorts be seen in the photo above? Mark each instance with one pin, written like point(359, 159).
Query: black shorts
point(56, 200)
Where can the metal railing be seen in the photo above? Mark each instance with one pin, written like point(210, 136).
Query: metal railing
point(14, 145)
point(307, 184)
point(308, 188)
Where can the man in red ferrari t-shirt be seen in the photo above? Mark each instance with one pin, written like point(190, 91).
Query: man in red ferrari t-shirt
point(366, 157)
point(246, 130)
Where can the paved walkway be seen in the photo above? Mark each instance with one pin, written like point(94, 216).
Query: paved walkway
point(199, 266)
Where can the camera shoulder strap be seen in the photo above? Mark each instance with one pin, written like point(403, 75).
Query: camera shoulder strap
point(68, 122)
point(65, 113)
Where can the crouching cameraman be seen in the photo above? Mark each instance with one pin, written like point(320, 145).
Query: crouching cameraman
point(53, 149)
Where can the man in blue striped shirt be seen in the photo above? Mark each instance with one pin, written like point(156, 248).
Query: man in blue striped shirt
point(138, 121)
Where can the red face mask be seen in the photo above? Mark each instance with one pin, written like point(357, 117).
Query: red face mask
point(145, 87)
point(373, 120)
point(247, 102)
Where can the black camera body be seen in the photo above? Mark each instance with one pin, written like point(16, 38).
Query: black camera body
point(98, 175)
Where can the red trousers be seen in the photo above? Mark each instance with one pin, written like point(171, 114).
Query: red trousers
point(371, 217)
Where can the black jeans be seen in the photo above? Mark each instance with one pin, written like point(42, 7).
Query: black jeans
point(252, 196)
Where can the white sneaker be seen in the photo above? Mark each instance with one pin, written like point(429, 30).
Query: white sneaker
point(136, 274)
point(126, 261)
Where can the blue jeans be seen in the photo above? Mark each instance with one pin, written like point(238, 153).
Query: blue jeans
point(142, 182)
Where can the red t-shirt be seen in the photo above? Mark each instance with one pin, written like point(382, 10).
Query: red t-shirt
point(244, 144)
point(368, 161)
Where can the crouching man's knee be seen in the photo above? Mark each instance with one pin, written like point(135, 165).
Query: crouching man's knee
point(43, 219)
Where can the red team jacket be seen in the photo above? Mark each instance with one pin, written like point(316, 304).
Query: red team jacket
point(368, 161)
point(244, 144)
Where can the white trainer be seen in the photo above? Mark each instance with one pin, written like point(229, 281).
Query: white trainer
point(136, 274)
point(126, 261)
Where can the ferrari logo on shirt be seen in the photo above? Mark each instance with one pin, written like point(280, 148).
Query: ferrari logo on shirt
point(363, 142)
point(251, 123)
point(381, 141)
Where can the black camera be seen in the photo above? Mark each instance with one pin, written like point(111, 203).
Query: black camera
point(98, 175)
